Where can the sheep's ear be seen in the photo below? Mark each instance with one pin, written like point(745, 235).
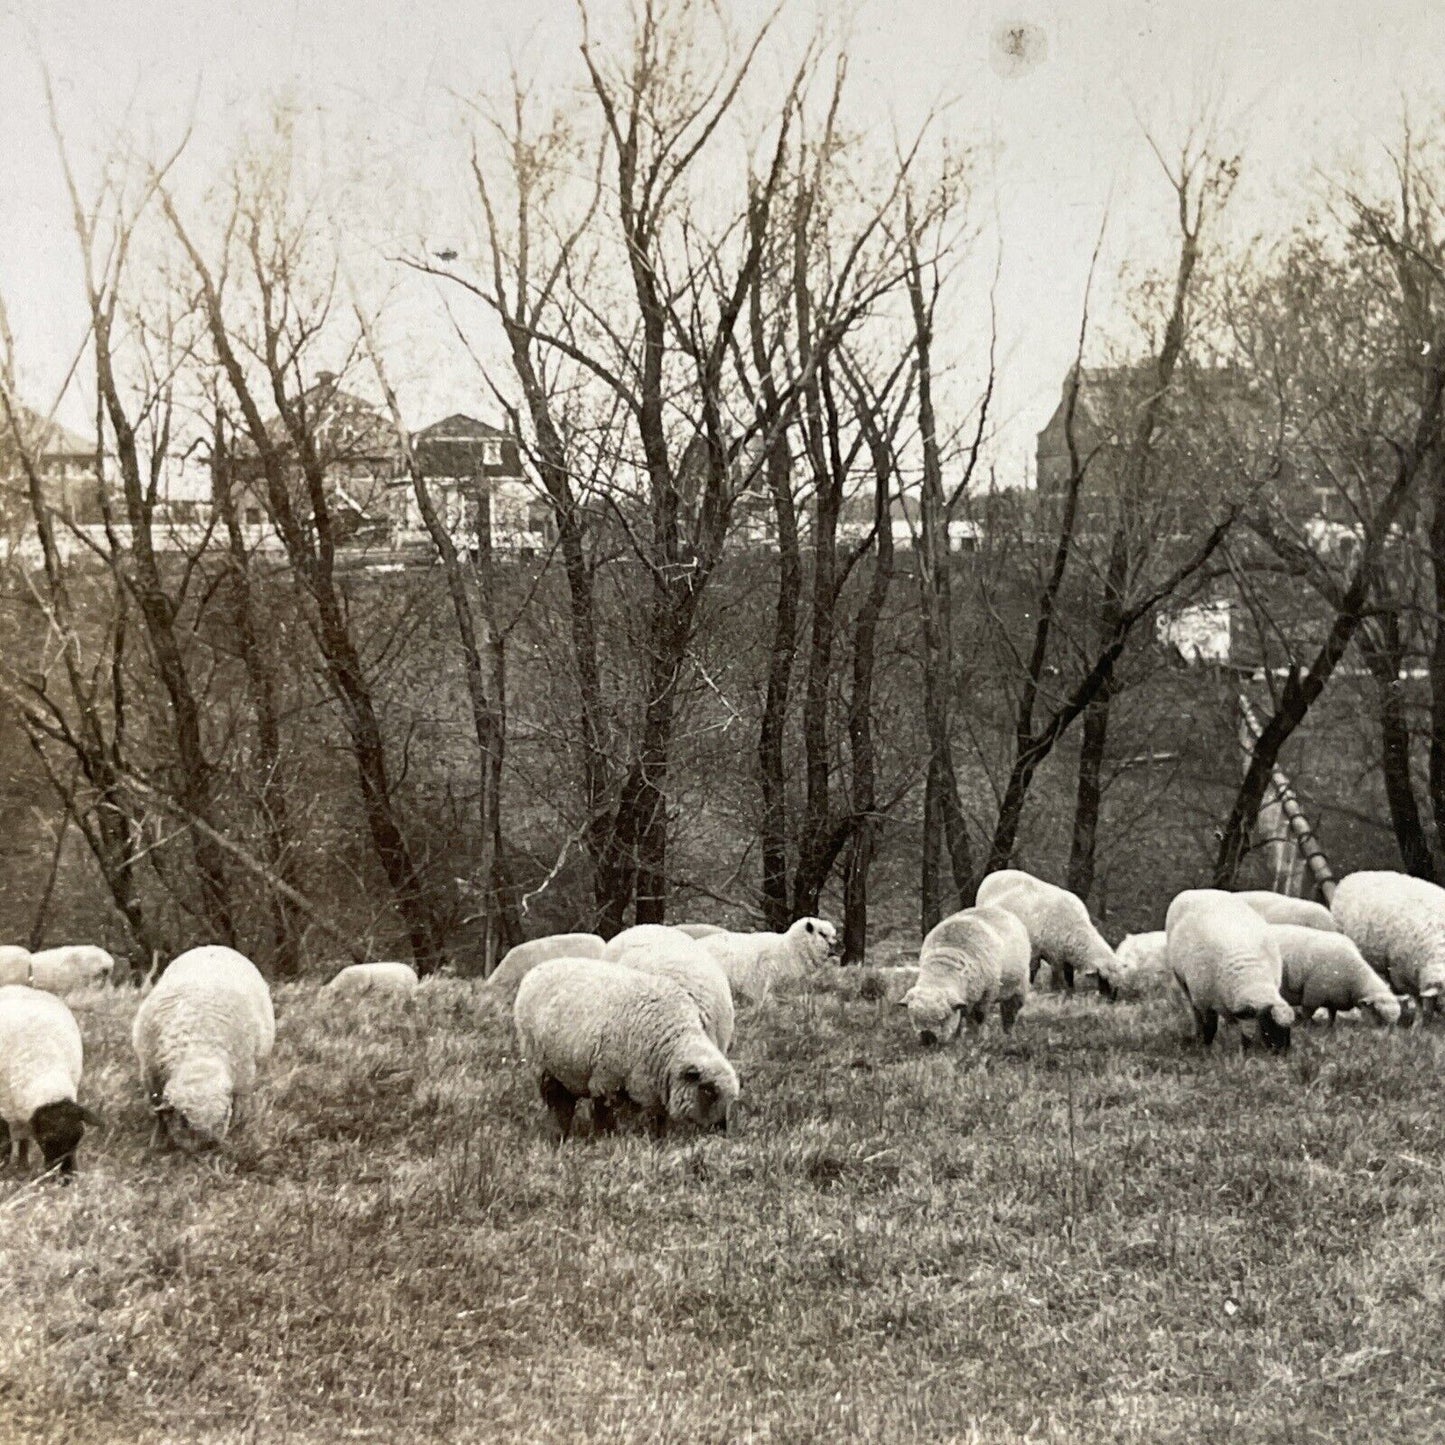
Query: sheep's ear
point(808, 927)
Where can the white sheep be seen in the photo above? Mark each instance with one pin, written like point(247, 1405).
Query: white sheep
point(1142, 964)
point(1281, 908)
point(701, 930)
point(1227, 965)
point(756, 962)
point(1398, 924)
point(969, 961)
point(591, 1029)
point(201, 1036)
point(698, 974)
point(502, 982)
point(1061, 933)
point(78, 965)
point(41, 1059)
point(1325, 970)
point(358, 978)
point(639, 937)
point(14, 964)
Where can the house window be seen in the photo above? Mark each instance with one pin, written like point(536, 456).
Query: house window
point(491, 454)
point(539, 517)
point(253, 516)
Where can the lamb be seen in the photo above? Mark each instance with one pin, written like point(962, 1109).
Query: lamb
point(1142, 964)
point(201, 1036)
point(755, 962)
point(58, 970)
point(1227, 963)
point(41, 1059)
point(968, 962)
point(1398, 924)
point(359, 978)
point(1060, 930)
point(1281, 908)
point(1325, 970)
point(603, 1031)
point(698, 974)
point(501, 984)
point(14, 965)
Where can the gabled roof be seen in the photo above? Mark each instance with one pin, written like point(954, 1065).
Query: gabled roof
point(459, 427)
point(343, 424)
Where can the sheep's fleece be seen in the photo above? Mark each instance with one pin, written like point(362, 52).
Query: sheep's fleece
point(1398, 923)
point(696, 973)
point(76, 965)
point(381, 977)
point(640, 936)
point(1326, 971)
point(1141, 958)
point(518, 962)
point(1061, 933)
point(591, 1029)
point(41, 1059)
point(1281, 908)
point(14, 964)
point(756, 962)
point(969, 961)
point(1227, 964)
point(201, 1036)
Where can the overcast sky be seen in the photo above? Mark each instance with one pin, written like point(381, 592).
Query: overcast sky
point(1309, 84)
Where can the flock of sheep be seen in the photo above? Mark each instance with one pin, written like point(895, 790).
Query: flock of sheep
point(640, 1026)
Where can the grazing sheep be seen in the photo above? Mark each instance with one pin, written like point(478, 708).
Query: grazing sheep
point(592, 1029)
point(81, 965)
point(701, 930)
point(201, 1036)
point(501, 984)
point(41, 1059)
point(642, 936)
point(755, 962)
point(698, 975)
point(1061, 932)
point(1398, 924)
point(358, 978)
point(1281, 908)
point(1325, 970)
point(1142, 964)
point(14, 965)
point(1227, 964)
point(968, 962)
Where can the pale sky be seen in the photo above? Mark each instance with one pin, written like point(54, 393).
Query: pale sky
point(1310, 84)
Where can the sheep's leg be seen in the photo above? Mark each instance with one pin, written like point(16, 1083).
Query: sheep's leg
point(1008, 1011)
point(656, 1120)
point(1206, 1021)
point(1034, 963)
point(604, 1117)
point(22, 1152)
point(1332, 1013)
point(1064, 976)
point(561, 1104)
point(4, 1144)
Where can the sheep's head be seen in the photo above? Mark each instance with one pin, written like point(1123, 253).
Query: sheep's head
point(1275, 1022)
point(1383, 1008)
point(1409, 1010)
point(702, 1089)
point(935, 1015)
point(817, 937)
point(196, 1107)
point(1102, 963)
point(58, 1129)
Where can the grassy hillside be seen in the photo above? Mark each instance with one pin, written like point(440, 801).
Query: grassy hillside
point(1090, 1230)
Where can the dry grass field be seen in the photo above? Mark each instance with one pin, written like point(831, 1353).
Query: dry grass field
point(1088, 1231)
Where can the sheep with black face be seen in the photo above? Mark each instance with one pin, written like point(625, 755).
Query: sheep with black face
point(41, 1060)
point(626, 1041)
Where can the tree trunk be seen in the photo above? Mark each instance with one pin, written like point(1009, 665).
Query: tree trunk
point(1384, 656)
